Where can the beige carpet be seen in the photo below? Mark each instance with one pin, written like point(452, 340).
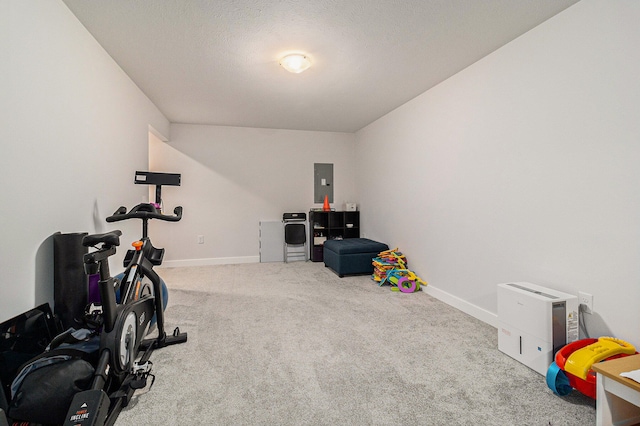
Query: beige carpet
point(293, 344)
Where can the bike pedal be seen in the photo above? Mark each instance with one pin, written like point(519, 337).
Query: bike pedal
point(141, 381)
point(142, 369)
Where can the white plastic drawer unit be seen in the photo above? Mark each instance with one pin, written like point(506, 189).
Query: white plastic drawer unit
point(271, 241)
point(534, 322)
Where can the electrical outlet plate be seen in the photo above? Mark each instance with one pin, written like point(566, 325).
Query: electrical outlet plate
point(586, 300)
point(200, 239)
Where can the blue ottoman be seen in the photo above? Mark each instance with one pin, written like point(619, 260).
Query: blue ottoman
point(351, 256)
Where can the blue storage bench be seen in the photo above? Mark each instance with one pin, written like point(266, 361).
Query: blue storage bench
point(351, 256)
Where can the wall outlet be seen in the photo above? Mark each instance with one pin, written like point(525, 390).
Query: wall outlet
point(586, 300)
point(200, 239)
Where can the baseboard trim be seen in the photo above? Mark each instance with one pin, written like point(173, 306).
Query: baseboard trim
point(210, 261)
point(466, 307)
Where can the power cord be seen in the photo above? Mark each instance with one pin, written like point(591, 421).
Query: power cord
point(583, 325)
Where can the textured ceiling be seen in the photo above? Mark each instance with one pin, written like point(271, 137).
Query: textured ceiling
point(216, 62)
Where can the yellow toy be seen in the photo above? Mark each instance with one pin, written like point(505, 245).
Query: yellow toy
point(387, 260)
point(391, 266)
point(579, 362)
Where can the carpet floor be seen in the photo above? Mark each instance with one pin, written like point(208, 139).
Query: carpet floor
point(293, 344)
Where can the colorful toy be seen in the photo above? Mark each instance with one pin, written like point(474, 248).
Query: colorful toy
point(387, 260)
point(391, 267)
point(572, 366)
point(404, 281)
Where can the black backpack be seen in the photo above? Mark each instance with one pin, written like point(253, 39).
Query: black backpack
point(45, 386)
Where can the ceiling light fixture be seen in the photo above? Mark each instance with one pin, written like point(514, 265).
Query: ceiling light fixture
point(295, 63)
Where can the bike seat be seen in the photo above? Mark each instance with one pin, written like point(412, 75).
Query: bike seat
point(109, 238)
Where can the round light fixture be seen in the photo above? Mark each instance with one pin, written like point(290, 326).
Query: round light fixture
point(295, 63)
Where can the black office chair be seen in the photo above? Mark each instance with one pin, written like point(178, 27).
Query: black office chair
point(295, 235)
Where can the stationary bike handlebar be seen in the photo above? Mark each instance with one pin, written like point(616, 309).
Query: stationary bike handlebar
point(145, 211)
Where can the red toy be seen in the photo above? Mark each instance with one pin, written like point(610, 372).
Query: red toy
point(572, 368)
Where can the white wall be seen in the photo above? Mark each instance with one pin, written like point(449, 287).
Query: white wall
point(73, 130)
point(232, 178)
point(523, 167)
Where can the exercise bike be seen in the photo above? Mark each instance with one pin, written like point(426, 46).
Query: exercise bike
point(124, 362)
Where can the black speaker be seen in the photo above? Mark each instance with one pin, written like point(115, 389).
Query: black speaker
point(70, 283)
